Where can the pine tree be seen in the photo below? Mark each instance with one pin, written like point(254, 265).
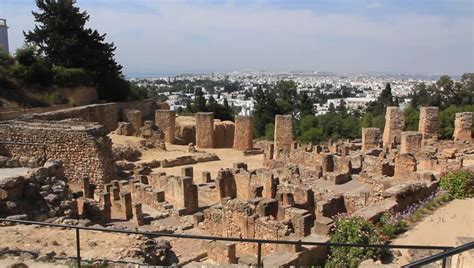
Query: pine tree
point(61, 35)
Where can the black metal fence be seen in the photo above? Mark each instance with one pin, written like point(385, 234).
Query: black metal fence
point(447, 251)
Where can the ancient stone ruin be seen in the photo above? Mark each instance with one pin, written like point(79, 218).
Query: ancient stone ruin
point(291, 192)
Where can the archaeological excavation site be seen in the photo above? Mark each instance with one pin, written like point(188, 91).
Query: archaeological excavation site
point(182, 182)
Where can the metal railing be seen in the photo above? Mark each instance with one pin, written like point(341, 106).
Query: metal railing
point(441, 256)
point(259, 242)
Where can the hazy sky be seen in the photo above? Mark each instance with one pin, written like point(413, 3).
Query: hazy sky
point(411, 36)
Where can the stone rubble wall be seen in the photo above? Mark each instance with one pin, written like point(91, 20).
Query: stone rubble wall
point(84, 148)
point(104, 114)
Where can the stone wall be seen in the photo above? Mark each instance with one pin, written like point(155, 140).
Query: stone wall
point(243, 138)
point(83, 147)
point(166, 121)
point(83, 95)
point(394, 125)
point(105, 114)
point(204, 130)
point(146, 107)
point(12, 113)
point(283, 134)
point(428, 124)
point(179, 191)
point(463, 126)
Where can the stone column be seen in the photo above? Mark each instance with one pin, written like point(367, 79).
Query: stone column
point(394, 125)
point(166, 121)
point(204, 130)
point(127, 204)
point(106, 206)
point(410, 142)
point(370, 138)
point(283, 134)
point(138, 215)
point(134, 117)
point(428, 124)
point(463, 126)
point(243, 138)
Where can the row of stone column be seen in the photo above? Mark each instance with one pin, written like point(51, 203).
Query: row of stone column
point(393, 133)
point(205, 134)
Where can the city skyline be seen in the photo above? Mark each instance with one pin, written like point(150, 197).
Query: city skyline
point(426, 37)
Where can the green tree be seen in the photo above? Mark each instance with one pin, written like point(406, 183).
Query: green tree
point(199, 100)
point(60, 34)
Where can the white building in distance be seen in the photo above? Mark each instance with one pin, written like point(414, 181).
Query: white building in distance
point(4, 35)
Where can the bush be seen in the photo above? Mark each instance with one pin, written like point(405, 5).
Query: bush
point(269, 131)
point(391, 226)
point(354, 230)
point(70, 77)
point(113, 88)
point(459, 184)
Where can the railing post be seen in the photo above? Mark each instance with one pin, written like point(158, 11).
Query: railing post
point(78, 248)
point(259, 255)
point(443, 264)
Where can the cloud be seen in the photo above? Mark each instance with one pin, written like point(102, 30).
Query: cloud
point(155, 36)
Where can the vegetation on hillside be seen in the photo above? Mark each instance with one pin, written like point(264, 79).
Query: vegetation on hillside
point(62, 52)
point(451, 97)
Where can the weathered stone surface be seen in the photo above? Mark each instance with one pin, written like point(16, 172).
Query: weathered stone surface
point(243, 139)
point(166, 121)
point(84, 148)
point(428, 124)
point(463, 126)
point(410, 142)
point(283, 134)
point(134, 117)
point(205, 130)
point(394, 125)
point(370, 138)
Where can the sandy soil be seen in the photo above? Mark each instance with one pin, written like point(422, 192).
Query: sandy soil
point(228, 156)
point(453, 220)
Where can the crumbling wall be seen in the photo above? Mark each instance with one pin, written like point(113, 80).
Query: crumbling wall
point(134, 117)
point(146, 107)
point(243, 139)
point(105, 114)
point(84, 148)
point(166, 121)
point(180, 191)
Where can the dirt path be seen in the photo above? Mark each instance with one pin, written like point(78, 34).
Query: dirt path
point(442, 228)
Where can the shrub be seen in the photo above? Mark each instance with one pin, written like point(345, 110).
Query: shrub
point(354, 230)
point(459, 184)
point(70, 77)
point(391, 226)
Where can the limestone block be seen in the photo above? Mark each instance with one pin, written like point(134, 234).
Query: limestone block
point(134, 117)
point(283, 134)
